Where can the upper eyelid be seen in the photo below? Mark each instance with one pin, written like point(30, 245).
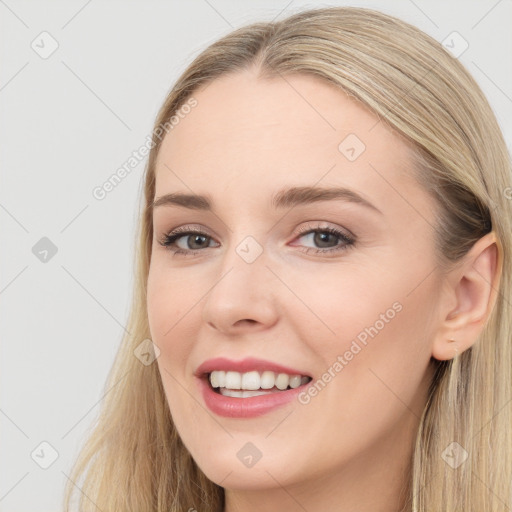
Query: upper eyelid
point(302, 231)
point(187, 229)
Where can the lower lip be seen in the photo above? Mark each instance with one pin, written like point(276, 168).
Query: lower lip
point(234, 407)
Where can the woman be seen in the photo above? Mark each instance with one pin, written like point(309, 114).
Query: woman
point(324, 273)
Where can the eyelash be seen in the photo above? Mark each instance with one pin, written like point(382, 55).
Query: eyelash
point(169, 239)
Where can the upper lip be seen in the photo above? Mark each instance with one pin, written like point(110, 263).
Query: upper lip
point(245, 365)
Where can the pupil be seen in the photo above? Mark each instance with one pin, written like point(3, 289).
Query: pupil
point(321, 238)
point(195, 238)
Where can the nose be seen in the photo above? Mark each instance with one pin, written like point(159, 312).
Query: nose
point(242, 295)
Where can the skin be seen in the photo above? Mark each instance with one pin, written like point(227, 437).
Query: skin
point(351, 444)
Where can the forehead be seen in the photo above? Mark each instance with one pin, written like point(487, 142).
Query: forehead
point(257, 134)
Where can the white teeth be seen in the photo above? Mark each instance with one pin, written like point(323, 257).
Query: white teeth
point(250, 380)
point(282, 381)
point(253, 381)
point(267, 380)
point(233, 380)
point(243, 393)
point(295, 381)
point(218, 379)
point(221, 379)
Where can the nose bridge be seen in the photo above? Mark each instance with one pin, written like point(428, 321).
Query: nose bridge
point(244, 269)
point(242, 290)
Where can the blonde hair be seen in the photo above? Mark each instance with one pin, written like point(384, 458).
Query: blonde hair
point(134, 459)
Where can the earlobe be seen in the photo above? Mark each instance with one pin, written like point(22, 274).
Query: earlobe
point(445, 349)
point(474, 287)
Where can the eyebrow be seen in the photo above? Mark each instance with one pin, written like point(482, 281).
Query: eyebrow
point(286, 198)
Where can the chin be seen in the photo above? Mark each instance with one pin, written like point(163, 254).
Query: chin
point(230, 472)
point(243, 478)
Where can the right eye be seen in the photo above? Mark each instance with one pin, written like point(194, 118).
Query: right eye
point(193, 238)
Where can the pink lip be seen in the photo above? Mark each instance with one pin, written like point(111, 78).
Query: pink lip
point(245, 365)
point(233, 407)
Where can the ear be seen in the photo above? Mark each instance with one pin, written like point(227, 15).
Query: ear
point(469, 295)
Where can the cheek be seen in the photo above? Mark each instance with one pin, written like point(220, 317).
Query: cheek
point(339, 303)
point(166, 306)
point(169, 298)
point(375, 368)
point(379, 326)
point(161, 307)
point(389, 354)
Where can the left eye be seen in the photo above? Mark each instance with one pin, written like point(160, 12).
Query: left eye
point(324, 238)
point(328, 239)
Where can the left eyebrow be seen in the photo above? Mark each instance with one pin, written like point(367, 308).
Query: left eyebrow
point(285, 198)
point(304, 195)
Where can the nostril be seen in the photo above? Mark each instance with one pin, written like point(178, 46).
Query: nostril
point(246, 320)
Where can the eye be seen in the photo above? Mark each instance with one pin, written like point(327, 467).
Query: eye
point(329, 239)
point(193, 240)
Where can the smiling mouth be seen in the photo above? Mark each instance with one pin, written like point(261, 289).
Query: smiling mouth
point(253, 383)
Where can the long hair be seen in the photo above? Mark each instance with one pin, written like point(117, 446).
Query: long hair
point(134, 459)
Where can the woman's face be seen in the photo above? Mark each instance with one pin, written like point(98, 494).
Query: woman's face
point(263, 279)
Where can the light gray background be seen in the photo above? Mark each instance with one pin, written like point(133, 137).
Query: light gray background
point(68, 122)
